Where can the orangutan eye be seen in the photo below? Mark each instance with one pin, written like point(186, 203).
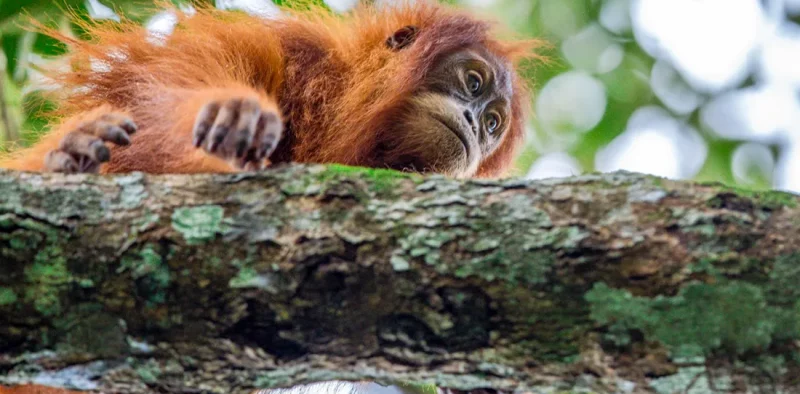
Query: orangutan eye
point(474, 82)
point(492, 122)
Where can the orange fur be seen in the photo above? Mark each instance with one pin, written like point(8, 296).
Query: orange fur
point(34, 389)
point(331, 76)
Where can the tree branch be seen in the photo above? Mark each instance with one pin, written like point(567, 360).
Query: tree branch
point(225, 283)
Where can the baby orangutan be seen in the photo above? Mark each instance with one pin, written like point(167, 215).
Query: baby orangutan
point(419, 87)
point(415, 87)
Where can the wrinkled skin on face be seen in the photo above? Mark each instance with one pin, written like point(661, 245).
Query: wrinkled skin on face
point(457, 118)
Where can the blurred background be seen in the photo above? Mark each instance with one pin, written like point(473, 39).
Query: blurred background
point(685, 89)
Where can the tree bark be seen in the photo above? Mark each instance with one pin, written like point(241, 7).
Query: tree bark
point(225, 283)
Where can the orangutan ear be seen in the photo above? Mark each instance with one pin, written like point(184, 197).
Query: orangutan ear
point(402, 38)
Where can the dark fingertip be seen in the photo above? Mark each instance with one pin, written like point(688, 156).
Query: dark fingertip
point(129, 126)
point(121, 137)
point(217, 139)
point(241, 148)
point(72, 167)
point(102, 154)
point(220, 135)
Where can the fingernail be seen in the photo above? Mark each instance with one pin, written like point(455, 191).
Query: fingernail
point(130, 127)
point(123, 139)
point(102, 154)
point(241, 148)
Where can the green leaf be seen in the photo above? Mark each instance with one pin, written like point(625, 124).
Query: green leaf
point(13, 12)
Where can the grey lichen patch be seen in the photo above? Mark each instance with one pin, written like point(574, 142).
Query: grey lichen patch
point(300, 187)
point(83, 377)
point(646, 194)
point(399, 263)
point(689, 380)
point(521, 208)
point(500, 250)
point(429, 238)
point(496, 369)
point(559, 238)
point(352, 235)
point(390, 212)
point(307, 221)
point(199, 224)
point(423, 243)
point(132, 192)
point(523, 269)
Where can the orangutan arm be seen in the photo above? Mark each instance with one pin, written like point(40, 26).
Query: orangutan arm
point(198, 130)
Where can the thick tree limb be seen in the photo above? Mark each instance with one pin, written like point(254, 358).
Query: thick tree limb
point(224, 283)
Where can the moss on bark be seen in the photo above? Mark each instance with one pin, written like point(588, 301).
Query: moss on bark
point(225, 283)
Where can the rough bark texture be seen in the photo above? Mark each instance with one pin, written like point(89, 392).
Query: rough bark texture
point(225, 283)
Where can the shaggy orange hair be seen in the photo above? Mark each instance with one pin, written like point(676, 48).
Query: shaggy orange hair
point(330, 75)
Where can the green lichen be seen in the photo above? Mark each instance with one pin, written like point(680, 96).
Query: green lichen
point(244, 278)
point(24, 234)
point(370, 173)
point(329, 178)
point(525, 269)
point(783, 282)
point(199, 224)
point(783, 293)
point(701, 318)
point(46, 278)
point(7, 296)
point(23, 240)
point(769, 199)
point(484, 245)
point(144, 222)
point(380, 179)
point(148, 371)
point(148, 267)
